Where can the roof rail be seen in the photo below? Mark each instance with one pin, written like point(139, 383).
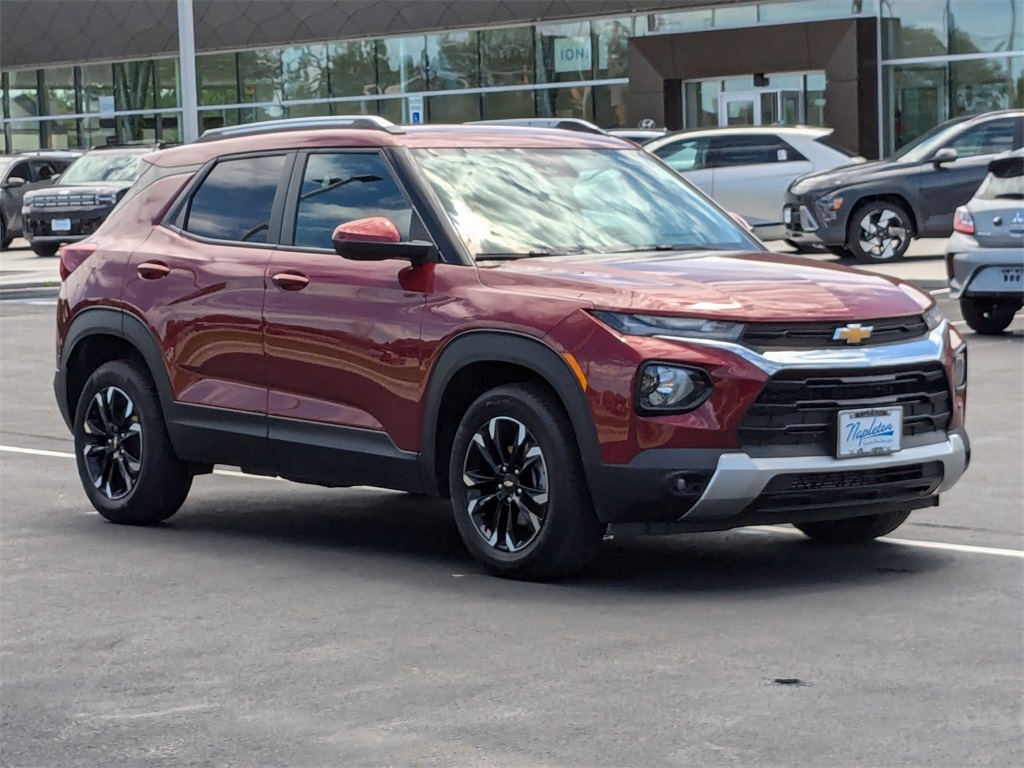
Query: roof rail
point(564, 123)
point(364, 122)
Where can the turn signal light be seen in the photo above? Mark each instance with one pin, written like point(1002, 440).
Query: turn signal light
point(72, 256)
point(963, 221)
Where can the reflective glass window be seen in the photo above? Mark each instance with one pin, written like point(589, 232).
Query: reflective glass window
point(59, 83)
point(684, 154)
point(98, 88)
point(920, 100)
point(24, 93)
point(990, 138)
point(611, 41)
point(798, 10)
point(814, 99)
point(912, 28)
point(401, 64)
point(305, 72)
point(217, 79)
point(165, 75)
point(1017, 82)
point(235, 200)
point(353, 68)
point(981, 85)
point(735, 16)
point(610, 106)
point(682, 21)
point(986, 26)
point(453, 61)
point(565, 52)
point(261, 75)
point(504, 104)
point(574, 101)
point(454, 108)
point(346, 186)
point(701, 104)
point(134, 85)
point(507, 56)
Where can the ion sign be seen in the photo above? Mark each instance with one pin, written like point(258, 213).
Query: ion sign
point(573, 54)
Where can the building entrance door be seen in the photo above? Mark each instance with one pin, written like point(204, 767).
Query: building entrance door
point(739, 108)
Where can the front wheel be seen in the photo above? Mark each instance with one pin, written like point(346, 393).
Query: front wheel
point(125, 460)
point(45, 249)
point(879, 232)
point(854, 530)
point(521, 502)
point(987, 316)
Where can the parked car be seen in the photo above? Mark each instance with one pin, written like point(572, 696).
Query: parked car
point(747, 169)
point(82, 198)
point(985, 255)
point(20, 173)
point(871, 212)
point(550, 328)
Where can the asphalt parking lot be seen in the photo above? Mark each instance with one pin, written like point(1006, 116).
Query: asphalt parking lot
point(276, 624)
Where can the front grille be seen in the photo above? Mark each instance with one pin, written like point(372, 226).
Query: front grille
point(817, 335)
point(801, 407)
point(823, 489)
point(71, 200)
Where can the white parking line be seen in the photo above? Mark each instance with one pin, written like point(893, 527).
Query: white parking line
point(966, 548)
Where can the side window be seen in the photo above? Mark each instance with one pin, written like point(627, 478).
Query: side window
point(987, 139)
point(729, 151)
point(235, 200)
point(340, 187)
point(21, 170)
point(42, 170)
point(684, 155)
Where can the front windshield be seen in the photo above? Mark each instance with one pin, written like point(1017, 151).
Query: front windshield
point(102, 168)
point(924, 146)
point(511, 203)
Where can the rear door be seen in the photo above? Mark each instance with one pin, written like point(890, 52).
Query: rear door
point(751, 174)
point(944, 187)
point(343, 337)
point(199, 282)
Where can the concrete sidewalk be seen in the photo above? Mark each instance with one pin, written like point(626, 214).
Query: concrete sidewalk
point(24, 275)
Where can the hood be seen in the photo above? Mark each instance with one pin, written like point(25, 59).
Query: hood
point(856, 173)
point(710, 284)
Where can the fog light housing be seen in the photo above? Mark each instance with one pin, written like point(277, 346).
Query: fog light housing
point(664, 388)
point(960, 369)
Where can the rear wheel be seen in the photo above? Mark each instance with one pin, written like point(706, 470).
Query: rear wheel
point(987, 316)
point(879, 231)
point(519, 496)
point(125, 460)
point(854, 530)
point(45, 249)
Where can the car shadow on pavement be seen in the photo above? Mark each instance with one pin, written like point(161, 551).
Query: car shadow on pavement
point(399, 530)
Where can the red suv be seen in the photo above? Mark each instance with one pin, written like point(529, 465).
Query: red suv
point(552, 329)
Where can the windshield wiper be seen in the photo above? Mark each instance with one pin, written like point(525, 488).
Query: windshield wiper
point(663, 247)
point(528, 254)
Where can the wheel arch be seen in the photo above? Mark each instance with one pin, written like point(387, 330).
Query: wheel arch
point(477, 361)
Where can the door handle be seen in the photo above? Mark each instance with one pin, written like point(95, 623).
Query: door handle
point(153, 270)
point(290, 281)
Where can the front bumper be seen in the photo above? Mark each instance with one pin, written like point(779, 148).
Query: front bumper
point(978, 271)
point(737, 489)
point(806, 223)
point(81, 223)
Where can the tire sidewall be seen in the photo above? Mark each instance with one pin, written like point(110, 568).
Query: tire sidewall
point(853, 232)
point(560, 455)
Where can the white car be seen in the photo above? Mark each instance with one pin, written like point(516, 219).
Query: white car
point(747, 169)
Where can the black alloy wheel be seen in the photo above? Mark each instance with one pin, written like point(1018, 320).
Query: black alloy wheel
point(113, 443)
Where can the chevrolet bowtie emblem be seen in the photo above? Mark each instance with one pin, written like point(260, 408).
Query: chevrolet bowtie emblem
point(854, 333)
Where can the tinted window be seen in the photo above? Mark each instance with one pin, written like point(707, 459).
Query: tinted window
point(43, 170)
point(684, 155)
point(20, 171)
point(235, 200)
point(342, 187)
point(750, 150)
point(985, 139)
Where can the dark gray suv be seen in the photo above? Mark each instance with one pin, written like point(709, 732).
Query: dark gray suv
point(20, 173)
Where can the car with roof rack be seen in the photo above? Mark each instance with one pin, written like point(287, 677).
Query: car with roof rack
point(82, 198)
point(550, 329)
point(20, 173)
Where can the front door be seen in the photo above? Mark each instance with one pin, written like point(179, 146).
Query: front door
point(342, 336)
point(739, 108)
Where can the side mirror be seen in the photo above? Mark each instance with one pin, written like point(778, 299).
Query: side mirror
point(944, 155)
point(377, 239)
point(14, 182)
point(53, 179)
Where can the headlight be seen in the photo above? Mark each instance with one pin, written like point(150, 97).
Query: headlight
point(960, 369)
point(664, 388)
point(933, 317)
point(106, 198)
point(664, 325)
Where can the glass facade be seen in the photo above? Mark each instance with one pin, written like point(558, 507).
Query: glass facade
point(939, 58)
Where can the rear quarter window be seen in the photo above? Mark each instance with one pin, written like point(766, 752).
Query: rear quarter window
point(236, 199)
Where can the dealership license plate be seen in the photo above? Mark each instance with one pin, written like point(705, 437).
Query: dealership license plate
point(1013, 276)
point(60, 225)
point(869, 431)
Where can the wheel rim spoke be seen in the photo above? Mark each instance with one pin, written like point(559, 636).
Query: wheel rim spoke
point(112, 443)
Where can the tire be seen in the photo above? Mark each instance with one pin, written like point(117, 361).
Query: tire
point(45, 249)
point(840, 251)
point(125, 460)
point(5, 239)
point(554, 531)
point(987, 316)
point(879, 232)
point(854, 530)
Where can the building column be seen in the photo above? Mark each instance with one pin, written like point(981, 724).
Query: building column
point(189, 124)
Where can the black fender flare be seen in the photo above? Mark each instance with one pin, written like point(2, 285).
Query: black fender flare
point(528, 352)
point(104, 321)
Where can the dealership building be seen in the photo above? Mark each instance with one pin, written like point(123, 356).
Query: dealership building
point(77, 73)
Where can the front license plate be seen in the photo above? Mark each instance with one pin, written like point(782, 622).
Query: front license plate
point(60, 225)
point(869, 431)
point(1013, 276)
